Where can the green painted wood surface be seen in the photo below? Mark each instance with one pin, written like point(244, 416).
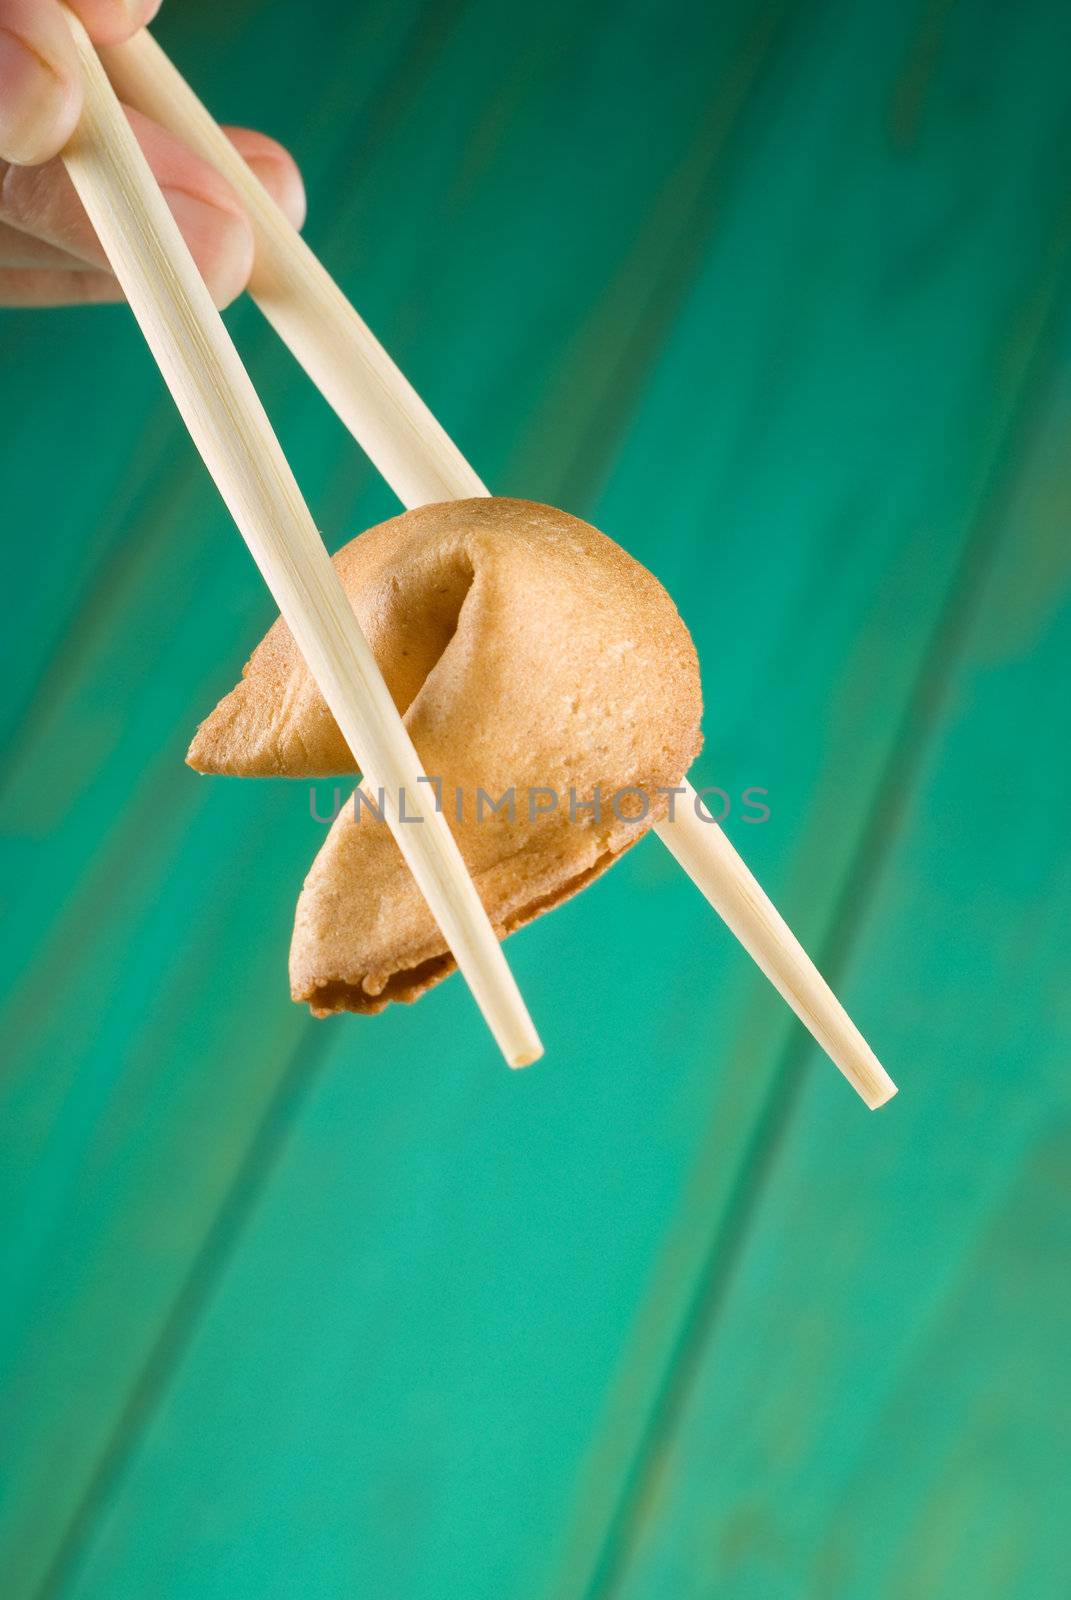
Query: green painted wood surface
point(909, 1435)
point(777, 294)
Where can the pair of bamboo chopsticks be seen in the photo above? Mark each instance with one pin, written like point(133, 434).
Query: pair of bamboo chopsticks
point(419, 461)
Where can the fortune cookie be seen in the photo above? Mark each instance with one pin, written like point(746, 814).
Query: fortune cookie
point(551, 691)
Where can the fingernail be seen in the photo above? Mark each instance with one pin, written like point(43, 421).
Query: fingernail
point(33, 101)
point(143, 11)
point(221, 242)
point(138, 13)
point(122, 20)
point(283, 182)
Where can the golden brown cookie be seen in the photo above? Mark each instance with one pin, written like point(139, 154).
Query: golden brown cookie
point(539, 667)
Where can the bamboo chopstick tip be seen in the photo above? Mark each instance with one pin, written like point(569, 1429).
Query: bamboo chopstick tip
point(879, 1093)
point(525, 1055)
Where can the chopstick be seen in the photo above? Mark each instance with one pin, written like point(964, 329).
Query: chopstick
point(702, 848)
point(421, 464)
point(228, 424)
point(303, 302)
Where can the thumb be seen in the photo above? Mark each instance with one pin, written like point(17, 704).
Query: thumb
point(40, 90)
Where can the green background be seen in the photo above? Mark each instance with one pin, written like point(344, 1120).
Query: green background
point(778, 295)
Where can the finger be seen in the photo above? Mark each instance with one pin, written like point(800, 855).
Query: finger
point(112, 21)
point(41, 201)
point(40, 87)
point(276, 169)
point(34, 286)
point(18, 249)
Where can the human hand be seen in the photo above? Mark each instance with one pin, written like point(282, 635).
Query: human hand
point(49, 254)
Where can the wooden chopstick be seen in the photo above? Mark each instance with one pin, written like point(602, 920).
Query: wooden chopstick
point(228, 424)
point(419, 461)
point(703, 850)
point(303, 303)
